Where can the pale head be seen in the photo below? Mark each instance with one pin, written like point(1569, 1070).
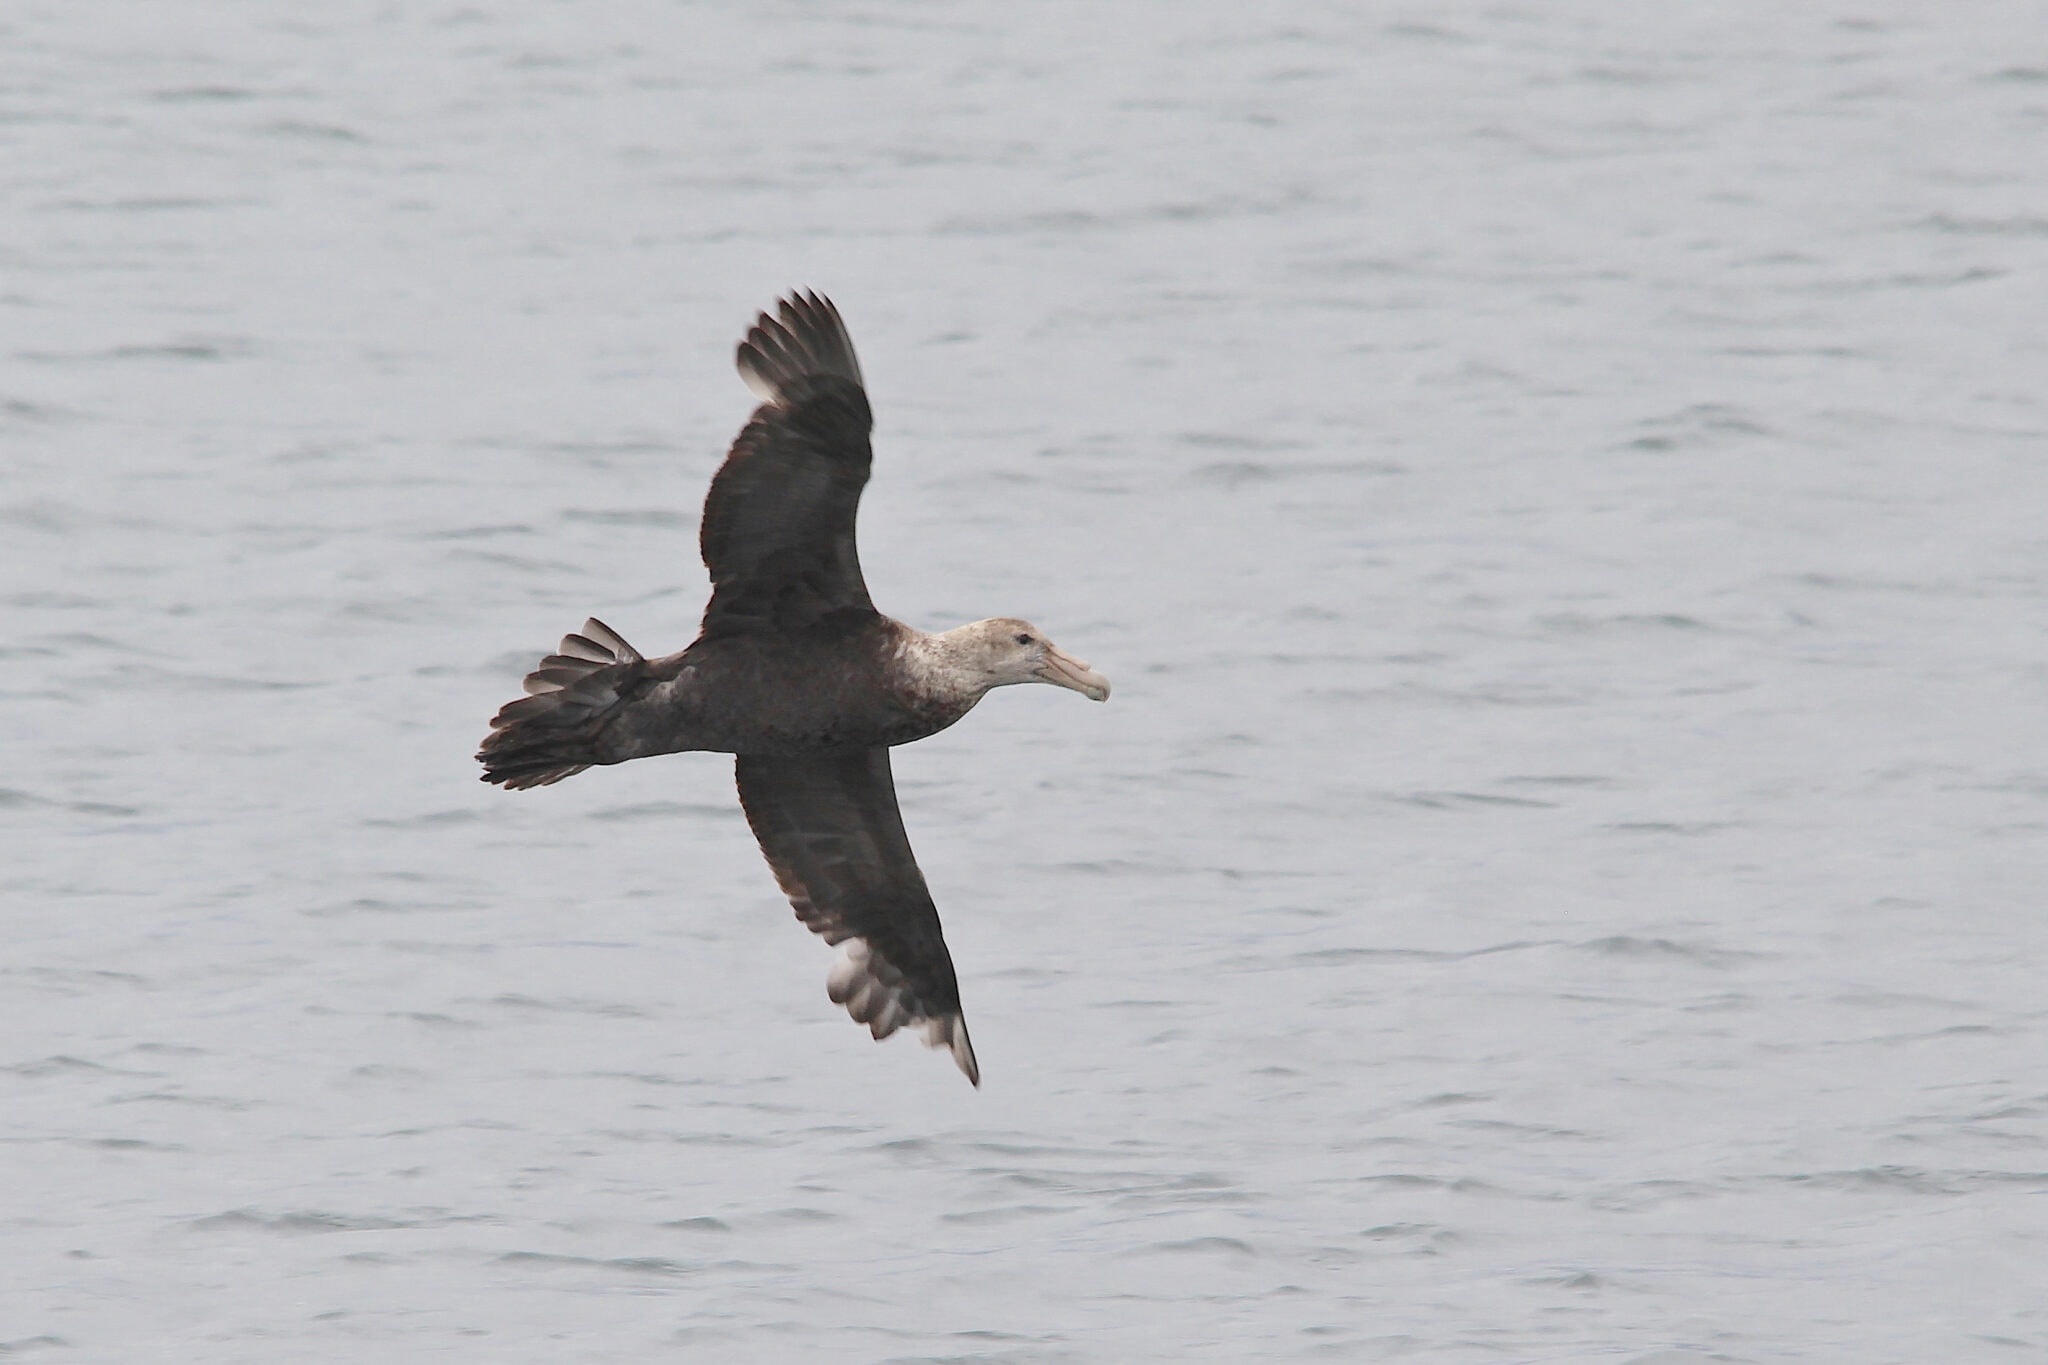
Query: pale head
point(1003, 650)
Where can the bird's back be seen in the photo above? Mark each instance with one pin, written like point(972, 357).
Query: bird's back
point(832, 687)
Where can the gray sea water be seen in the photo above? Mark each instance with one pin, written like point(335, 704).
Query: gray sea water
point(1561, 490)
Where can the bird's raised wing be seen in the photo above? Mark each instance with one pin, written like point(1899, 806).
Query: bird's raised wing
point(829, 826)
point(778, 533)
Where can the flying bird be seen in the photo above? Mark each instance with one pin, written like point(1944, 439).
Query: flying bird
point(796, 674)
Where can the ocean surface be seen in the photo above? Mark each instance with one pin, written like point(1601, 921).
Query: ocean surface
point(1561, 491)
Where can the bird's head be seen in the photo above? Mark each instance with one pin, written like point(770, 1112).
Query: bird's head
point(1005, 650)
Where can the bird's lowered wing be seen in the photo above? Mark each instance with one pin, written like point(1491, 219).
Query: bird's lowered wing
point(778, 532)
point(829, 826)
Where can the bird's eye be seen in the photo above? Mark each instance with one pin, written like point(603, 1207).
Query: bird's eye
point(1023, 639)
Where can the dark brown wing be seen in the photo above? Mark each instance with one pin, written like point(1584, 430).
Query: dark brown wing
point(829, 826)
point(778, 531)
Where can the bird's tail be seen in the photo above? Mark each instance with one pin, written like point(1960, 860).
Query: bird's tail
point(552, 733)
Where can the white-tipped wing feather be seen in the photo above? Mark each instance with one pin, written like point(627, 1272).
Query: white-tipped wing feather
point(829, 827)
point(875, 994)
point(805, 340)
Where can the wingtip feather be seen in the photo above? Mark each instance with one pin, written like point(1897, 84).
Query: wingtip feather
point(805, 337)
point(873, 993)
point(963, 1050)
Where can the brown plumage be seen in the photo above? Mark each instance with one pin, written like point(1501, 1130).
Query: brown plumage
point(796, 673)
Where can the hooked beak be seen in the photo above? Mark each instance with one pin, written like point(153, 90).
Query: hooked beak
point(1064, 670)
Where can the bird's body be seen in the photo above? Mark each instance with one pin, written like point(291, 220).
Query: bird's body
point(796, 673)
point(839, 685)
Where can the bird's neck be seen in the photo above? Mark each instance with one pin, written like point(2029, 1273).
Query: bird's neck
point(937, 670)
